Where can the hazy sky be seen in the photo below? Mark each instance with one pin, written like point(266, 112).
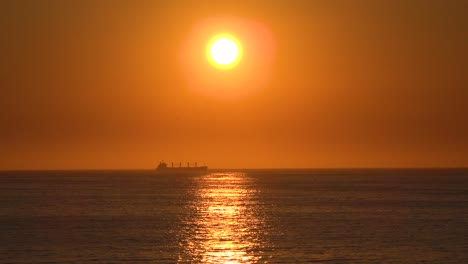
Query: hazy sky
point(96, 84)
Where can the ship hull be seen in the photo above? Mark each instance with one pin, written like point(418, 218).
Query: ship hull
point(183, 170)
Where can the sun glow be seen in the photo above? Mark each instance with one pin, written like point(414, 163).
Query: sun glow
point(227, 57)
point(224, 51)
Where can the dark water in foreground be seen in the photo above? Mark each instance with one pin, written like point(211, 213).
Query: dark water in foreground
point(274, 216)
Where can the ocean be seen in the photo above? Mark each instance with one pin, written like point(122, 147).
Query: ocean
point(229, 216)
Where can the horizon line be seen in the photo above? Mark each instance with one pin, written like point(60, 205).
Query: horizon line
point(265, 168)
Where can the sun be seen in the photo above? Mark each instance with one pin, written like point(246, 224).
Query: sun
point(224, 51)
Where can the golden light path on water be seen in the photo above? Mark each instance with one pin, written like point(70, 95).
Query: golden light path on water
point(224, 226)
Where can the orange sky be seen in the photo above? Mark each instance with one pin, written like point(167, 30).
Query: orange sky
point(109, 85)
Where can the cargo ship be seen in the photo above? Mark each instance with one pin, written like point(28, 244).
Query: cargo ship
point(163, 168)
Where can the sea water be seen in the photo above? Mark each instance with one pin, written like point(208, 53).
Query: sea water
point(229, 216)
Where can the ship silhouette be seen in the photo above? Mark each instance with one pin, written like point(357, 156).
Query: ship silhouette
point(163, 168)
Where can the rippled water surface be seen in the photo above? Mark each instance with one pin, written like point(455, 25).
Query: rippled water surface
point(259, 216)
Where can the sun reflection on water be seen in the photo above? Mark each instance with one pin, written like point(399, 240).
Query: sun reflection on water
point(223, 225)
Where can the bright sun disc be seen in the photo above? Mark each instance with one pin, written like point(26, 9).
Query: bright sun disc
point(224, 51)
